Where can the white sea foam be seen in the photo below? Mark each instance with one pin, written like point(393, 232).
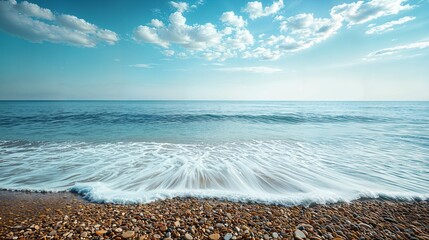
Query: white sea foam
point(274, 172)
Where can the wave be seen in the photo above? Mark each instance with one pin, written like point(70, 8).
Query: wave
point(271, 172)
point(119, 118)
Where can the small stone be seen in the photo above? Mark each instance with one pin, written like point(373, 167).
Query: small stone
point(299, 234)
point(53, 233)
point(227, 236)
point(118, 230)
point(157, 236)
point(36, 227)
point(275, 235)
point(177, 224)
point(100, 232)
point(214, 236)
point(219, 225)
point(266, 237)
point(128, 234)
point(84, 234)
point(188, 236)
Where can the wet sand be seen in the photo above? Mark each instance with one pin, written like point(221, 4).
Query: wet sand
point(67, 216)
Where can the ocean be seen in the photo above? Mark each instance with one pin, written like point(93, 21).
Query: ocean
point(285, 153)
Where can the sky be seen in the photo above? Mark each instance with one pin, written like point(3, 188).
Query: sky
point(214, 50)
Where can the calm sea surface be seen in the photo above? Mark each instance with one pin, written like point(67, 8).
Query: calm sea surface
point(270, 152)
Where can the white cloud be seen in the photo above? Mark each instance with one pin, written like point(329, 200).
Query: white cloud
point(141, 65)
point(156, 23)
point(22, 20)
point(256, 10)
point(302, 31)
point(75, 23)
point(180, 6)
point(150, 35)
point(197, 3)
point(263, 53)
point(361, 12)
point(33, 10)
point(399, 49)
point(204, 40)
point(298, 32)
point(386, 27)
point(279, 18)
point(168, 52)
point(233, 20)
point(195, 37)
point(257, 69)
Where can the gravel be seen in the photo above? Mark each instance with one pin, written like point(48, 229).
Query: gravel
point(67, 216)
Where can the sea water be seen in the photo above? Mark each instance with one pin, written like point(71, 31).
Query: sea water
point(269, 152)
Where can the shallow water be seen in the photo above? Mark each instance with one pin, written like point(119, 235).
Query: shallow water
point(270, 152)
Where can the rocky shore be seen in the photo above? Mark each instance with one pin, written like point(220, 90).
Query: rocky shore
point(67, 216)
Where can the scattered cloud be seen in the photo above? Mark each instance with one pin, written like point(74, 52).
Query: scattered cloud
point(386, 27)
point(233, 20)
point(256, 10)
point(204, 40)
point(36, 24)
point(141, 65)
point(402, 49)
point(180, 6)
point(257, 69)
point(361, 12)
point(168, 52)
point(233, 39)
point(197, 3)
point(195, 37)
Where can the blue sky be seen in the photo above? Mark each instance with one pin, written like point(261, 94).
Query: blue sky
point(215, 50)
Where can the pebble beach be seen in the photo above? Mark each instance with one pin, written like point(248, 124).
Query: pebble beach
point(26, 215)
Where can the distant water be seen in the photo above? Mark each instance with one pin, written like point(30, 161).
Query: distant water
point(269, 152)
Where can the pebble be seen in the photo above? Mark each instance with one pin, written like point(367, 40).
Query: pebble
point(227, 236)
point(219, 225)
point(100, 232)
point(128, 234)
point(214, 236)
point(213, 219)
point(299, 234)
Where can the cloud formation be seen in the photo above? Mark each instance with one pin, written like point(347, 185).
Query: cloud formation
point(399, 49)
point(233, 20)
point(361, 12)
point(256, 10)
point(203, 40)
point(389, 26)
point(141, 65)
point(295, 33)
point(36, 24)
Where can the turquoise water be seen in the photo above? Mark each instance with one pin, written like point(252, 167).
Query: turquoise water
point(270, 152)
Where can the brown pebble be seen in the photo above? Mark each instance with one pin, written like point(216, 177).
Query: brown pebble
point(100, 232)
point(128, 234)
point(214, 236)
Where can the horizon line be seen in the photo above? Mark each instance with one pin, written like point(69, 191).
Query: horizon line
point(198, 100)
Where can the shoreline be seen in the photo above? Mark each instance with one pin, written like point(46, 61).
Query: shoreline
point(64, 215)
